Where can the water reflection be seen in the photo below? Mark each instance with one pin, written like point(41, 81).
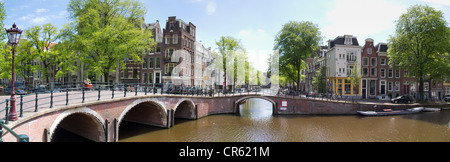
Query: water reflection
point(256, 109)
point(257, 124)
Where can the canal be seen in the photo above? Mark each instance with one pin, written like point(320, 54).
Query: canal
point(255, 123)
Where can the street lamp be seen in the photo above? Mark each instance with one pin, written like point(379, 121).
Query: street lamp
point(14, 34)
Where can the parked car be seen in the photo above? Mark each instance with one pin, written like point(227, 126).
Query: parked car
point(447, 98)
point(21, 92)
point(402, 99)
point(310, 94)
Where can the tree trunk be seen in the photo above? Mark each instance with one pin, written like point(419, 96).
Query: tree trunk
point(298, 79)
point(106, 76)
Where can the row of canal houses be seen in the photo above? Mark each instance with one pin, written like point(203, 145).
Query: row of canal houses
point(378, 79)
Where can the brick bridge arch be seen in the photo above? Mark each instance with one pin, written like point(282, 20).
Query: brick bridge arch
point(82, 121)
point(185, 109)
point(245, 98)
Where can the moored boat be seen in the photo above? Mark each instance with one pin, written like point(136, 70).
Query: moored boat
point(394, 112)
point(431, 109)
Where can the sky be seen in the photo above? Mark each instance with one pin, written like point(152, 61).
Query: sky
point(254, 22)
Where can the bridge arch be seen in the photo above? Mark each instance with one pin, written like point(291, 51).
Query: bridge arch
point(243, 99)
point(148, 111)
point(185, 109)
point(82, 121)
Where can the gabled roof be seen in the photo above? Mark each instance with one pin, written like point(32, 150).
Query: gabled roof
point(340, 40)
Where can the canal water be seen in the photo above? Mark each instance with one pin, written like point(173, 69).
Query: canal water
point(257, 124)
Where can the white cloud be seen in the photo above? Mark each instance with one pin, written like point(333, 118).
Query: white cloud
point(244, 32)
point(261, 31)
point(211, 7)
point(42, 10)
point(361, 18)
point(40, 20)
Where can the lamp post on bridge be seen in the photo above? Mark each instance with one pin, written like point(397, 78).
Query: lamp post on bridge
point(14, 34)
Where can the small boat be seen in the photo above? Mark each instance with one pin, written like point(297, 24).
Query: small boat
point(394, 112)
point(431, 109)
point(89, 86)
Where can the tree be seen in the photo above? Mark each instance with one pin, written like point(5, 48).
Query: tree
point(41, 39)
point(228, 46)
point(296, 42)
point(355, 77)
point(319, 81)
point(421, 44)
point(108, 31)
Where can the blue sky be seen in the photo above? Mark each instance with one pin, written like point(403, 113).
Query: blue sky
point(255, 22)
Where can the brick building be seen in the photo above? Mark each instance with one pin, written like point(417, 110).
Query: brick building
point(179, 47)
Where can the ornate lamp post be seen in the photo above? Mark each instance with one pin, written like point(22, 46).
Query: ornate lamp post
point(14, 34)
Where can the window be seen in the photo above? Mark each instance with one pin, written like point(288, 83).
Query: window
point(144, 64)
point(390, 86)
point(150, 63)
point(383, 61)
point(145, 77)
point(369, 50)
point(167, 40)
point(351, 56)
point(175, 40)
point(348, 41)
point(390, 73)
point(135, 73)
point(349, 70)
point(150, 78)
point(397, 73)
point(157, 78)
point(382, 87)
point(373, 72)
point(158, 49)
point(158, 63)
point(365, 71)
point(373, 61)
point(383, 73)
point(169, 53)
point(365, 61)
point(169, 68)
point(397, 86)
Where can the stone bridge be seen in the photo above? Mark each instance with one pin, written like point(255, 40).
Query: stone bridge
point(100, 120)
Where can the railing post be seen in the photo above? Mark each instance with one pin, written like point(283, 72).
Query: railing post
point(82, 94)
point(112, 97)
point(6, 112)
point(23, 138)
point(125, 90)
point(36, 103)
point(135, 89)
point(67, 96)
point(146, 86)
point(99, 89)
point(21, 106)
point(51, 98)
point(1, 130)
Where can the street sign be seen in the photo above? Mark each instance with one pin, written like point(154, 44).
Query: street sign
point(284, 103)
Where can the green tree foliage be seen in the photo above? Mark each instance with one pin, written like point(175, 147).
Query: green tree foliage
point(296, 42)
point(108, 31)
point(319, 80)
point(41, 39)
point(421, 44)
point(228, 49)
